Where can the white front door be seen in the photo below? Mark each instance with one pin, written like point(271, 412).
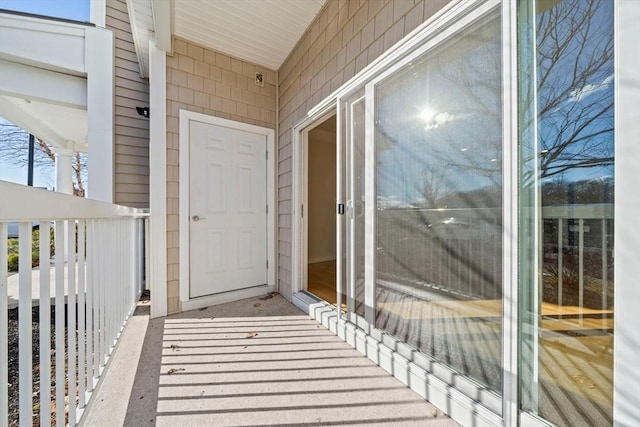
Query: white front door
point(228, 209)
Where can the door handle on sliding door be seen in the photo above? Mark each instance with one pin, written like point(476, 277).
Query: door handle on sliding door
point(197, 218)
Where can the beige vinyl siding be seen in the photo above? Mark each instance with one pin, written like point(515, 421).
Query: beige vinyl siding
point(344, 38)
point(131, 181)
point(208, 82)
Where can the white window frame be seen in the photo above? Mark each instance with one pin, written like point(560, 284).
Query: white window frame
point(626, 347)
point(299, 226)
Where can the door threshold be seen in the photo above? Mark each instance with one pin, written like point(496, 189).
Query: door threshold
point(215, 299)
point(304, 299)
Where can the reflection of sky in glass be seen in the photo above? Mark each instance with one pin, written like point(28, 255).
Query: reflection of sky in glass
point(439, 121)
point(574, 70)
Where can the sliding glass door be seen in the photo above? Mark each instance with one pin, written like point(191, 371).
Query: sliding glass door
point(567, 225)
point(480, 211)
point(438, 202)
point(423, 151)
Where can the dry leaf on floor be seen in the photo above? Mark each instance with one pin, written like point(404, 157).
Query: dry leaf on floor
point(583, 381)
point(256, 304)
point(174, 370)
point(175, 347)
point(252, 334)
point(269, 296)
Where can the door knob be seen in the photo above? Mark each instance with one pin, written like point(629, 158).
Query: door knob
point(196, 218)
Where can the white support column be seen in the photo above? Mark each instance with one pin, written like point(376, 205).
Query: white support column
point(98, 12)
point(64, 183)
point(100, 112)
point(158, 180)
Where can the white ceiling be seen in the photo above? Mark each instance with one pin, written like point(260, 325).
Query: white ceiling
point(259, 31)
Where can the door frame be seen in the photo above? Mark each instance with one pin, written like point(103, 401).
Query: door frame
point(189, 303)
point(299, 196)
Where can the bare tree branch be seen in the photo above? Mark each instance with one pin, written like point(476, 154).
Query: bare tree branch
point(14, 150)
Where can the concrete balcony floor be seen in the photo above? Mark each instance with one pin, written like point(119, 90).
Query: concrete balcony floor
point(248, 363)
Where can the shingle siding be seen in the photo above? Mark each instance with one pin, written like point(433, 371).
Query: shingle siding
point(131, 181)
point(208, 82)
point(345, 37)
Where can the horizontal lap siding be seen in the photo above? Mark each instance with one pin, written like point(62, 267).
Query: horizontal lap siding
point(208, 82)
point(131, 148)
point(345, 37)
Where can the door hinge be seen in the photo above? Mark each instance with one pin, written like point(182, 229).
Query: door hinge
point(301, 211)
point(267, 208)
point(267, 155)
point(267, 264)
point(340, 209)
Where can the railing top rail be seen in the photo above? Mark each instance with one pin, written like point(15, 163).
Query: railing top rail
point(585, 211)
point(22, 203)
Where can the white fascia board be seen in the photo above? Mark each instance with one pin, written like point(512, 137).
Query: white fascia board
point(100, 65)
point(158, 179)
point(163, 23)
point(140, 43)
point(49, 44)
point(33, 83)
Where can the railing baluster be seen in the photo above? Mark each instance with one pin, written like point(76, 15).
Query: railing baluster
point(108, 296)
point(90, 302)
point(71, 320)
point(24, 325)
point(123, 279)
point(104, 279)
point(45, 324)
point(560, 260)
point(82, 355)
point(581, 266)
point(60, 374)
point(97, 284)
point(4, 329)
point(605, 273)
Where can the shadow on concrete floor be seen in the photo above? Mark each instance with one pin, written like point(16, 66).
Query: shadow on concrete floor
point(254, 362)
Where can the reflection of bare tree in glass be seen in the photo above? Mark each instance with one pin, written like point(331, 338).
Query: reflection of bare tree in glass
point(481, 103)
point(14, 144)
point(573, 92)
point(434, 180)
point(573, 97)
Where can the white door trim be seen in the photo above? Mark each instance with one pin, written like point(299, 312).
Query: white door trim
point(183, 222)
point(299, 235)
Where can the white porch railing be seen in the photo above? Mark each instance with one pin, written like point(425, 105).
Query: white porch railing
point(98, 274)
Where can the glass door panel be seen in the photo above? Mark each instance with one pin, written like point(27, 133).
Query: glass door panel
point(566, 210)
point(354, 113)
point(438, 202)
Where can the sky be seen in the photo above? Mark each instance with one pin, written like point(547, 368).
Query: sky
point(77, 10)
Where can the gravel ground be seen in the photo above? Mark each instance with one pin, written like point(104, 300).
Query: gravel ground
point(14, 362)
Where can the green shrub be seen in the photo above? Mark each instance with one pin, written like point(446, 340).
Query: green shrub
point(13, 248)
point(12, 262)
